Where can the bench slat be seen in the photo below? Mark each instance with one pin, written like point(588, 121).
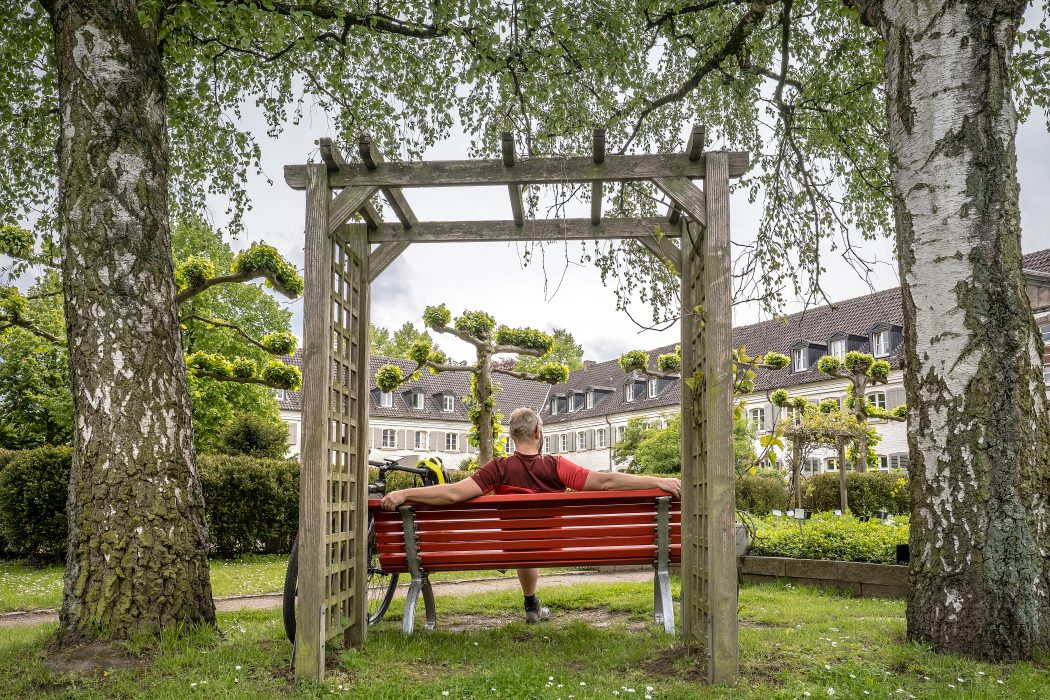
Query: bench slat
point(519, 523)
point(551, 558)
point(537, 534)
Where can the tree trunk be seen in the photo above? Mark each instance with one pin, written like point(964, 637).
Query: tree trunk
point(486, 406)
point(860, 456)
point(978, 432)
point(843, 498)
point(136, 561)
point(796, 470)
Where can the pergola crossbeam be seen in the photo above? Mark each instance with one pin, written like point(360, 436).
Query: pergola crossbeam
point(534, 171)
point(693, 150)
point(662, 248)
point(685, 195)
point(530, 230)
point(598, 155)
point(372, 157)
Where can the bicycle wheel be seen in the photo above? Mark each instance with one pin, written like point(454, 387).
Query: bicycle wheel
point(288, 604)
point(381, 586)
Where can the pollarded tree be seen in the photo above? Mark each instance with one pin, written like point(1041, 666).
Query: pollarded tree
point(819, 424)
point(565, 350)
point(399, 343)
point(861, 370)
point(478, 329)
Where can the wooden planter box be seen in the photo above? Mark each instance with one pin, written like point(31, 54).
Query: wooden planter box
point(867, 580)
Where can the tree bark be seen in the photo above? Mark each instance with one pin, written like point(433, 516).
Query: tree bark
point(860, 456)
point(843, 497)
point(796, 470)
point(137, 561)
point(978, 431)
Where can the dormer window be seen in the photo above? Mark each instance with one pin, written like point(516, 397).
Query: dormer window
point(386, 399)
point(880, 343)
point(799, 359)
point(630, 391)
point(590, 399)
point(417, 400)
point(837, 348)
point(573, 405)
point(652, 388)
point(554, 406)
point(448, 403)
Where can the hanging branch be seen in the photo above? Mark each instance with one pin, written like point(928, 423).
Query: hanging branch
point(197, 274)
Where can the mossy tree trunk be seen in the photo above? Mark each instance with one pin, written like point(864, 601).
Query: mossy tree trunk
point(978, 431)
point(136, 561)
point(486, 402)
point(796, 470)
point(860, 455)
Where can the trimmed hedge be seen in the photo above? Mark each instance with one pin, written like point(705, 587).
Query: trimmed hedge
point(828, 536)
point(34, 486)
point(759, 495)
point(867, 491)
point(251, 504)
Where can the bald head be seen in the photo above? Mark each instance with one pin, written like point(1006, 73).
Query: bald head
point(524, 426)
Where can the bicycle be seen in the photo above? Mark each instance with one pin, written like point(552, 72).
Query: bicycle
point(381, 586)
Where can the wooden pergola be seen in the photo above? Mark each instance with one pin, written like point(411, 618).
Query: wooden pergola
point(341, 263)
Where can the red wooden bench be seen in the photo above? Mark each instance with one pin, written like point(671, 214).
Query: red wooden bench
point(586, 528)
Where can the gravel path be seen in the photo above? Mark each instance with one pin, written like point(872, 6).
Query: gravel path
point(464, 587)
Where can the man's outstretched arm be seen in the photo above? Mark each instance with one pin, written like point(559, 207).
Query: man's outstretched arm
point(618, 481)
point(442, 494)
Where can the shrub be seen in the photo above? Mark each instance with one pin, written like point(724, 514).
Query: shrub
point(867, 491)
point(34, 486)
point(759, 495)
point(5, 457)
point(469, 464)
point(251, 505)
point(255, 436)
point(827, 536)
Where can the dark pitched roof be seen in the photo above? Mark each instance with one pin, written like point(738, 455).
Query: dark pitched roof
point(292, 400)
point(514, 392)
point(1038, 261)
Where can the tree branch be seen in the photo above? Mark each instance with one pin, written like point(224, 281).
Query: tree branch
point(235, 380)
point(192, 291)
point(462, 335)
point(450, 368)
point(223, 324)
point(500, 349)
point(8, 322)
point(373, 20)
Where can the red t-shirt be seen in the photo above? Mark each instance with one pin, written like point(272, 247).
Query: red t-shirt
point(537, 473)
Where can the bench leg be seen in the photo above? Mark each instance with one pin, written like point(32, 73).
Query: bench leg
point(428, 604)
point(662, 602)
point(408, 623)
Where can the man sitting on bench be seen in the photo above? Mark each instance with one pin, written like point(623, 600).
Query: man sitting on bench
point(528, 471)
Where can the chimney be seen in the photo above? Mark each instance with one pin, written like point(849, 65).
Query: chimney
point(587, 364)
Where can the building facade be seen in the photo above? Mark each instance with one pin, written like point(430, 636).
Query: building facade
point(587, 415)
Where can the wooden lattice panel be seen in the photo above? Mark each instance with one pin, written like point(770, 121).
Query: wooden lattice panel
point(695, 607)
point(344, 577)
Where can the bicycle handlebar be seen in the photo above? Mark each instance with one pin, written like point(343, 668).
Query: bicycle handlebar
point(392, 464)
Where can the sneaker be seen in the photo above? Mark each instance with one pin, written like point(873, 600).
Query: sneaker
point(539, 614)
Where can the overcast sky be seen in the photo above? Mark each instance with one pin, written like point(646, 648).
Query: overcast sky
point(491, 277)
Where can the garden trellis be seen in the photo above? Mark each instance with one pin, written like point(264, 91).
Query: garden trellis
point(340, 266)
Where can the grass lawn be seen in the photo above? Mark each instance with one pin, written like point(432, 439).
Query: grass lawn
point(25, 587)
point(795, 643)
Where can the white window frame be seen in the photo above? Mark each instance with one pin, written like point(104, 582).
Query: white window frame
point(813, 464)
point(758, 416)
point(620, 430)
point(652, 385)
point(831, 464)
point(508, 445)
point(280, 394)
point(563, 442)
point(572, 402)
point(884, 463)
point(581, 440)
point(590, 399)
point(389, 439)
point(386, 399)
point(837, 348)
point(418, 402)
point(878, 399)
point(554, 406)
point(293, 433)
point(451, 442)
point(880, 344)
point(420, 444)
point(630, 391)
point(599, 439)
point(546, 444)
point(798, 359)
point(448, 403)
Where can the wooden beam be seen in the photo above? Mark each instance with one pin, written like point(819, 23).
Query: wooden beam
point(685, 195)
point(382, 257)
point(724, 646)
point(693, 150)
point(514, 191)
point(370, 215)
point(539, 171)
point(330, 154)
point(346, 204)
point(666, 251)
point(530, 230)
point(598, 155)
point(372, 157)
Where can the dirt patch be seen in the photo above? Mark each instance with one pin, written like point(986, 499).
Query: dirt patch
point(94, 658)
point(687, 663)
point(19, 619)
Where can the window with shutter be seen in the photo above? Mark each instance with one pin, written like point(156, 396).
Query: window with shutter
point(389, 438)
point(599, 438)
point(563, 440)
point(451, 442)
point(581, 440)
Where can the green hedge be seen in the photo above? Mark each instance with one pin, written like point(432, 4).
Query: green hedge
point(34, 485)
point(759, 495)
point(829, 536)
point(251, 504)
point(867, 492)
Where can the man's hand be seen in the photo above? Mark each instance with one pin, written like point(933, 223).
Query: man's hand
point(671, 486)
point(392, 501)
